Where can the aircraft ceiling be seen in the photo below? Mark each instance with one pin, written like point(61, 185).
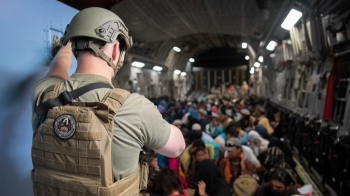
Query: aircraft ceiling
point(193, 25)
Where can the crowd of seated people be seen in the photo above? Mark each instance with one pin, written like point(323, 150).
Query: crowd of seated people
point(233, 149)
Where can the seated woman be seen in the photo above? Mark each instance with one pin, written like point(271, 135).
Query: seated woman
point(275, 158)
point(153, 170)
point(280, 184)
point(277, 126)
point(288, 155)
point(200, 155)
point(210, 180)
point(188, 155)
point(168, 183)
point(258, 144)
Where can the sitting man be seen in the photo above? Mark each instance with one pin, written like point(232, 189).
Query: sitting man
point(231, 167)
point(239, 133)
point(262, 120)
point(214, 128)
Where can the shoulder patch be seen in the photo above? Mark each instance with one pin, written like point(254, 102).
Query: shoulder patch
point(65, 126)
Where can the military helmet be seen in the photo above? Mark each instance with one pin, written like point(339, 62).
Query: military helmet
point(97, 24)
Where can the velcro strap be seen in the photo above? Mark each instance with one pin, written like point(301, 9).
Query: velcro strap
point(126, 186)
point(80, 117)
point(68, 167)
point(78, 135)
point(64, 186)
point(67, 150)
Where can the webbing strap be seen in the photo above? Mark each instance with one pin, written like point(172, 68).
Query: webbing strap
point(100, 53)
point(67, 150)
point(65, 186)
point(78, 135)
point(67, 97)
point(115, 98)
point(68, 167)
point(128, 186)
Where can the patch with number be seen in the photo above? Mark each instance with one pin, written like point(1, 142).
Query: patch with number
point(65, 126)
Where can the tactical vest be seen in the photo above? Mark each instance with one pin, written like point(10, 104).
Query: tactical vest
point(72, 149)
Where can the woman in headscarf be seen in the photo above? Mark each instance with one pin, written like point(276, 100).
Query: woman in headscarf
point(288, 155)
point(276, 158)
point(168, 183)
point(274, 155)
point(210, 179)
point(280, 184)
point(258, 144)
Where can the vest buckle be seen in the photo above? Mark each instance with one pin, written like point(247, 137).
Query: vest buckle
point(65, 98)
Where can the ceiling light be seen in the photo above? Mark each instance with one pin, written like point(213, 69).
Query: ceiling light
point(271, 46)
point(191, 60)
point(251, 70)
point(247, 57)
point(291, 19)
point(183, 73)
point(244, 45)
point(256, 64)
point(137, 64)
point(261, 59)
point(177, 49)
point(272, 55)
point(157, 68)
point(177, 72)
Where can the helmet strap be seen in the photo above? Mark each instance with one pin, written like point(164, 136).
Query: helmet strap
point(96, 47)
point(99, 52)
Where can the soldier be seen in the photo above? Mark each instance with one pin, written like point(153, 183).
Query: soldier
point(87, 134)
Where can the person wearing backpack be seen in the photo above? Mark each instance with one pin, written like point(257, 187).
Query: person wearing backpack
point(88, 135)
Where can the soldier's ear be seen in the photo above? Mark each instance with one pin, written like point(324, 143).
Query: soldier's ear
point(116, 51)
